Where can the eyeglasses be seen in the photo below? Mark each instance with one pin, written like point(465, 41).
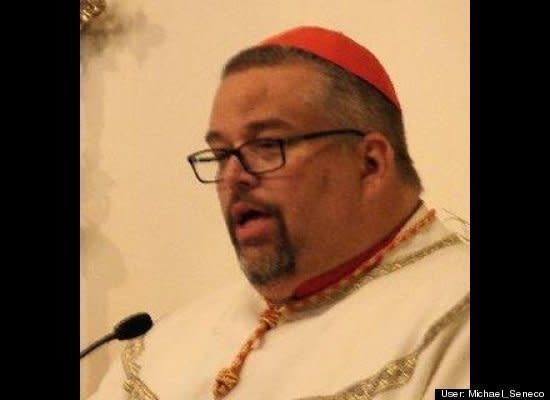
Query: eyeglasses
point(257, 156)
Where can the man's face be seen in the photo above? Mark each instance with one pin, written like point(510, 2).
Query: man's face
point(293, 223)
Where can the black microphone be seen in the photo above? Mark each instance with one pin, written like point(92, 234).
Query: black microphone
point(133, 326)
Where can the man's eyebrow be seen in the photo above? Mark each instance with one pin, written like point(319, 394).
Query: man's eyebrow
point(266, 124)
point(251, 129)
point(212, 136)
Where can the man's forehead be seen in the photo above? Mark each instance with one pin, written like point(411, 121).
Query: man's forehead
point(252, 128)
point(271, 87)
point(284, 76)
point(262, 98)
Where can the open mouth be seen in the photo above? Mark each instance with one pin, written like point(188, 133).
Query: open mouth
point(248, 216)
point(250, 224)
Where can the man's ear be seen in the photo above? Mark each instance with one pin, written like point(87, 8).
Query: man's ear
point(377, 157)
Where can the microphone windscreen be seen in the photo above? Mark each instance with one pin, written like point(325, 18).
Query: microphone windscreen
point(133, 326)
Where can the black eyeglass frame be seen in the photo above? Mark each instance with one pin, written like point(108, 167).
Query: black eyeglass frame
point(281, 142)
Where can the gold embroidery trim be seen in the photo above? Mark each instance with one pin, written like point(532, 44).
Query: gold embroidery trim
point(394, 374)
point(382, 270)
point(398, 372)
point(133, 385)
point(89, 10)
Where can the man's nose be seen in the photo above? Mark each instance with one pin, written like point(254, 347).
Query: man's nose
point(235, 176)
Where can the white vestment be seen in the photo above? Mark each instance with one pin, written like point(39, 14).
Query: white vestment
point(401, 333)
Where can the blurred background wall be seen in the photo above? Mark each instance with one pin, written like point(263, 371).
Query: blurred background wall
point(152, 237)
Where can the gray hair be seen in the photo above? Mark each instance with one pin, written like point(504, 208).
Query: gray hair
point(350, 101)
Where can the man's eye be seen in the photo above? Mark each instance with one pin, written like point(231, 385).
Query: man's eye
point(266, 145)
point(212, 156)
point(205, 158)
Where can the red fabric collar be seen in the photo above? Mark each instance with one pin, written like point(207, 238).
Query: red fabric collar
point(320, 282)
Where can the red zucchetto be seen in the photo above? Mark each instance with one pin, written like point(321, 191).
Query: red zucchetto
point(340, 50)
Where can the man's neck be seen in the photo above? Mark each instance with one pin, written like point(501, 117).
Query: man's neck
point(289, 288)
point(318, 283)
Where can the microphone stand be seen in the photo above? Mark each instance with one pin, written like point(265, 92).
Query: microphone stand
point(97, 343)
point(129, 328)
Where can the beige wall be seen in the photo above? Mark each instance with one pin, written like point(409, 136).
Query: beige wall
point(152, 238)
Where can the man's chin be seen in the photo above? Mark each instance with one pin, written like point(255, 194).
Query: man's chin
point(255, 259)
point(266, 266)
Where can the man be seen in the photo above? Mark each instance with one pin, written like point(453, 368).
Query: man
point(363, 293)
